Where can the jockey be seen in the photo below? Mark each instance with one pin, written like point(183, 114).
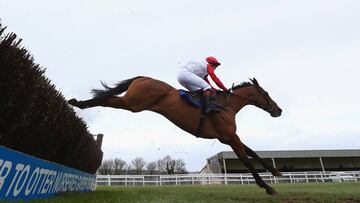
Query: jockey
point(193, 76)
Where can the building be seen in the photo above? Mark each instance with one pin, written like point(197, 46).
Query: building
point(288, 161)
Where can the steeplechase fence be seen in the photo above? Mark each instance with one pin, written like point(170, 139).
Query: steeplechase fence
point(45, 148)
point(226, 179)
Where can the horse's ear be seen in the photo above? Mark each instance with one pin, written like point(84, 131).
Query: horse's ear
point(255, 82)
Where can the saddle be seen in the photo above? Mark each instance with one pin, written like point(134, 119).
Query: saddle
point(196, 99)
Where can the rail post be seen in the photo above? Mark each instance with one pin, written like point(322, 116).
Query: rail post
point(355, 179)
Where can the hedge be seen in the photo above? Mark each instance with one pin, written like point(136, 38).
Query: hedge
point(35, 118)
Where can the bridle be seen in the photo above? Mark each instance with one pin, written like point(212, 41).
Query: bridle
point(259, 92)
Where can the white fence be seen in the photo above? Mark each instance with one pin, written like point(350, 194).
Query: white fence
point(204, 179)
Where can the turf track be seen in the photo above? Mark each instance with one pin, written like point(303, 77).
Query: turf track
point(320, 192)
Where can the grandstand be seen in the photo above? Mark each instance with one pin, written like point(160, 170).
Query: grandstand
point(288, 161)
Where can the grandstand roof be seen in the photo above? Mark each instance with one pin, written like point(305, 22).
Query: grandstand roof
point(294, 154)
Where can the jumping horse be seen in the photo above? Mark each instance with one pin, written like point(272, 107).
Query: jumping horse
point(145, 93)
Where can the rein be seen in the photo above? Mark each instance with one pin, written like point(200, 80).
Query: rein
point(268, 107)
point(232, 93)
point(243, 96)
point(239, 95)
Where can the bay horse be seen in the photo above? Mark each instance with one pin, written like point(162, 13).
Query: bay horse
point(145, 93)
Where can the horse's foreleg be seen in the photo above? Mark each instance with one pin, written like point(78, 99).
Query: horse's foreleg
point(252, 154)
point(240, 151)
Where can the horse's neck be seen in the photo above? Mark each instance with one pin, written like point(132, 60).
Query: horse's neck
point(241, 98)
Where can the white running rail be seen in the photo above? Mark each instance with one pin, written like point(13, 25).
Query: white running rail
point(244, 178)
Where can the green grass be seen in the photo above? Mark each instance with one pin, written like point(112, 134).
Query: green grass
point(323, 192)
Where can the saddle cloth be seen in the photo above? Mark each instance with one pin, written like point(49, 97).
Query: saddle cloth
point(192, 98)
point(196, 99)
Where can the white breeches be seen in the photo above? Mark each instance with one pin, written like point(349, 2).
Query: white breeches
point(191, 81)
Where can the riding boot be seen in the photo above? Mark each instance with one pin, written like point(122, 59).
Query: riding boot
point(209, 107)
point(213, 99)
point(198, 93)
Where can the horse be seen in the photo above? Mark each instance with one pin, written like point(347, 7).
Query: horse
point(145, 93)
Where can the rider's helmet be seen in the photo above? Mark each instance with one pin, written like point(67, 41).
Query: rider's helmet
point(213, 61)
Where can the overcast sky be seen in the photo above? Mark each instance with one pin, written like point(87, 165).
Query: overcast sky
point(304, 53)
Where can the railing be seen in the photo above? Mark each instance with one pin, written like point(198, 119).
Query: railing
point(244, 178)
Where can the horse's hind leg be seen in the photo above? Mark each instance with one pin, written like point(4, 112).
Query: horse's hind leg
point(240, 151)
point(114, 102)
point(85, 104)
point(252, 154)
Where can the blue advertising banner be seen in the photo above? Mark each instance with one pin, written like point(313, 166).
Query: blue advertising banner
point(23, 177)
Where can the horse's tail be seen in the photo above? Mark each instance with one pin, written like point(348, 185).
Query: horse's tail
point(111, 91)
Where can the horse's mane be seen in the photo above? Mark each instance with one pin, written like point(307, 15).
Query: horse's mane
point(243, 84)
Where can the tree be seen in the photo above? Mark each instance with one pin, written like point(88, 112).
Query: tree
point(167, 165)
point(107, 167)
point(151, 167)
point(138, 165)
point(171, 166)
point(119, 166)
point(180, 166)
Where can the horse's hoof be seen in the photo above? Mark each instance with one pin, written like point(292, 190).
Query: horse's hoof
point(73, 102)
point(276, 173)
point(271, 191)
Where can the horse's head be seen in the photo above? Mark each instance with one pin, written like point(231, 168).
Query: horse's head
point(263, 100)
